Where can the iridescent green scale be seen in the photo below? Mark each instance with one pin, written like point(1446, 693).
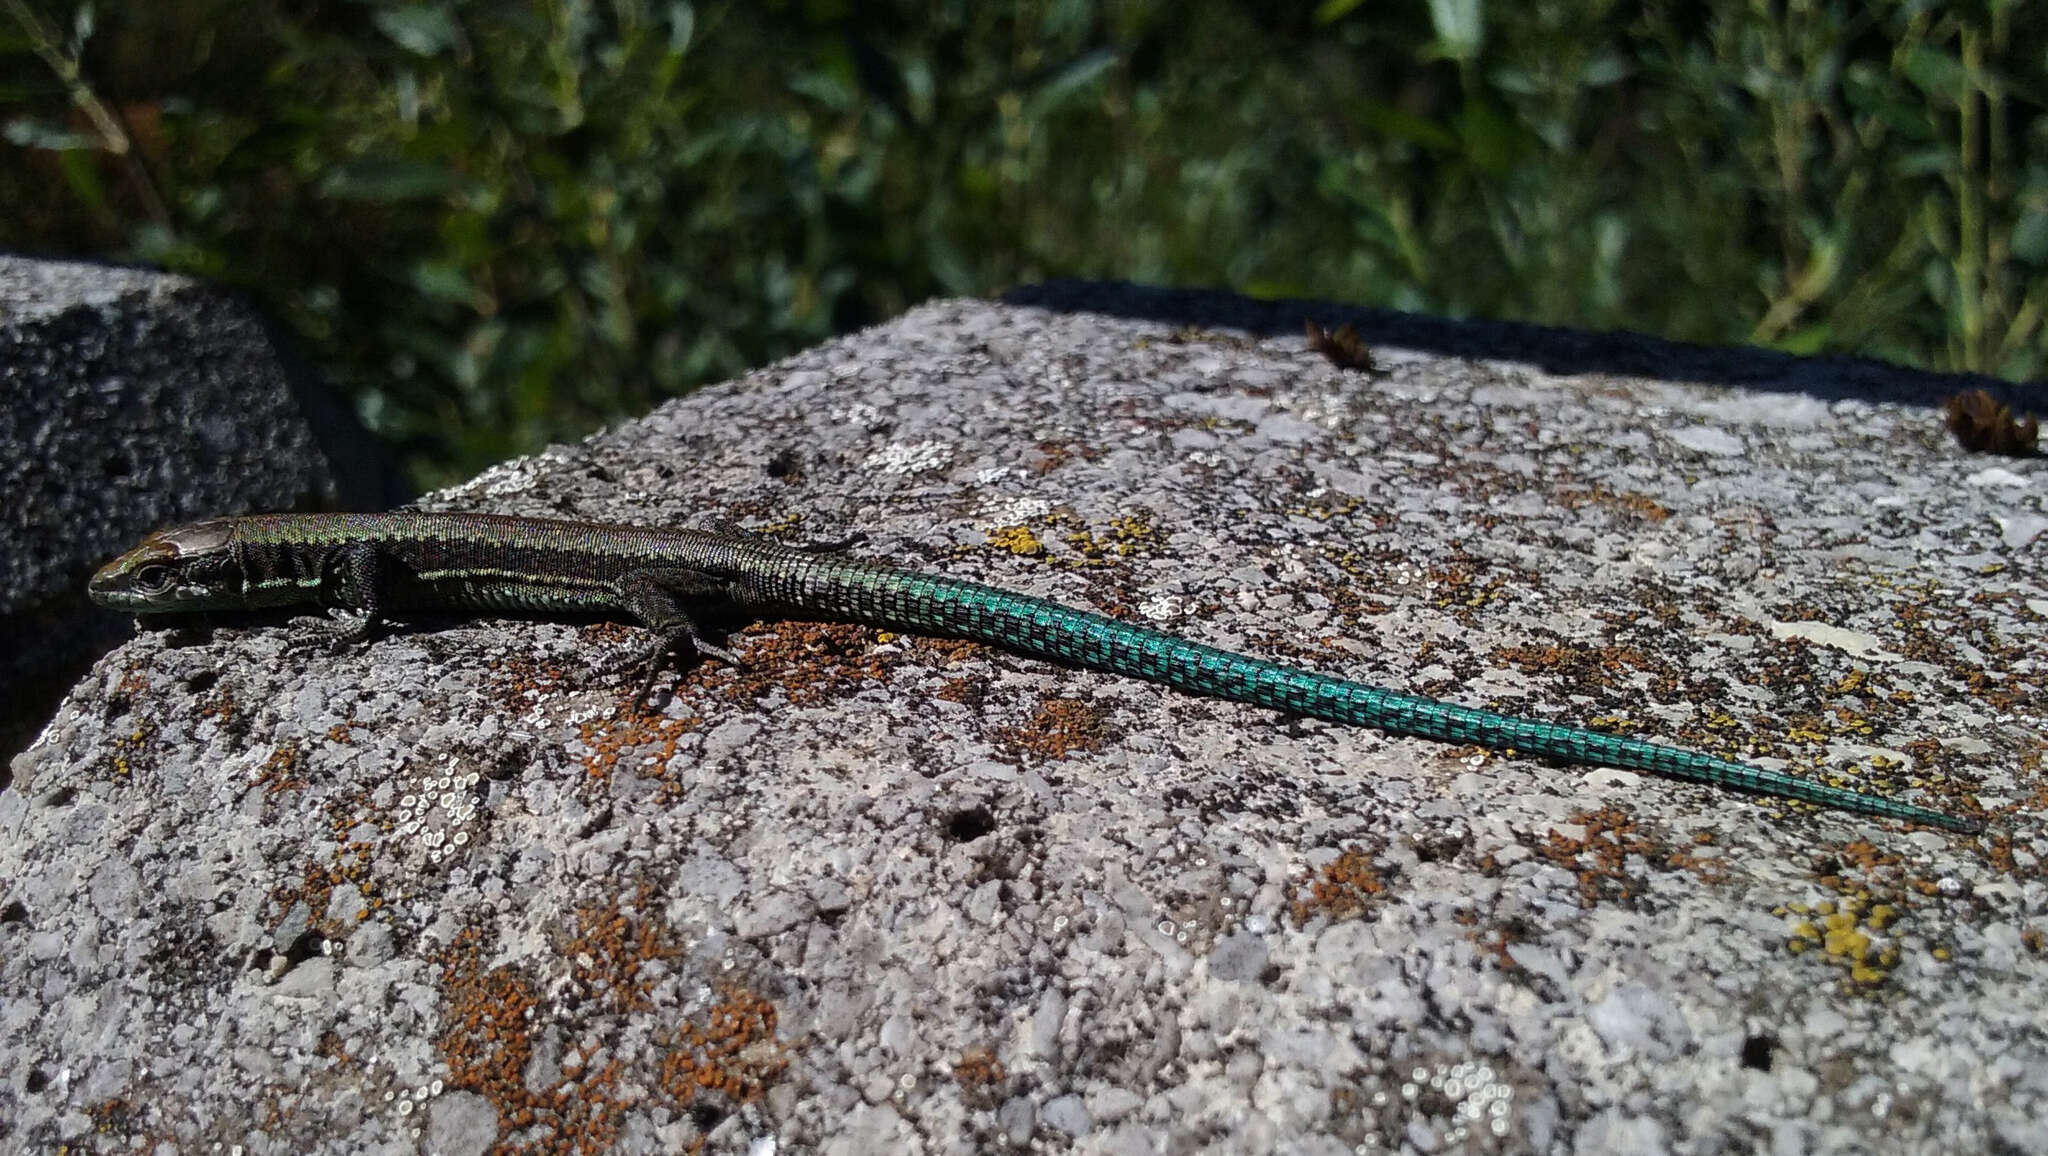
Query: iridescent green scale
point(1051, 630)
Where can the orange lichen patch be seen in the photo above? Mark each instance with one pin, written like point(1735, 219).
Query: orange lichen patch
point(804, 662)
point(488, 1045)
point(966, 691)
point(348, 866)
point(1585, 666)
point(134, 682)
point(947, 651)
point(1998, 851)
point(1060, 727)
point(1051, 456)
point(610, 946)
point(652, 740)
point(284, 769)
point(520, 680)
point(732, 1050)
point(1600, 858)
point(1496, 948)
point(1343, 889)
point(219, 705)
point(979, 1067)
point(494, 1017)
point(1642, 504)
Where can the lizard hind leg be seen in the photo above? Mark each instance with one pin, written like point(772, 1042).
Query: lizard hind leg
point(659, 599)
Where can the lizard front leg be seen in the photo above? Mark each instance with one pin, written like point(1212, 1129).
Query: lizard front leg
point(355, 573)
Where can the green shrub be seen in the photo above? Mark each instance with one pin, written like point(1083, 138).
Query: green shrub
point(499, 224)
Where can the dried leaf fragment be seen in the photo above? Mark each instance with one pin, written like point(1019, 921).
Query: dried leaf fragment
point(1344, 347)
point(1984, 425)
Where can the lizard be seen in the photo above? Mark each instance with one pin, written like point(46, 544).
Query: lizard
point(361, 567)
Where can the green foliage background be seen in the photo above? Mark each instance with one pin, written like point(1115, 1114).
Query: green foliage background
point(501, 223)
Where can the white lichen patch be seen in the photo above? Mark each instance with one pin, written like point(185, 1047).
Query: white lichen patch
point(900, 459)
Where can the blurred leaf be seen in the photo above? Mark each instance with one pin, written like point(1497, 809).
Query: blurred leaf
point(444, 281)
point(1492, 142)
point(1868, 90)
point(1937, 73)
point(2030, 235)
point(1806, 341)
point(34, 134)
point(682, 22)
point(1331, 11)
point(1606, 69)
point(1460, 28)
point(422, 29)
point(1401, 125)
point(82, 173)
point(384, 180)
point(1069, 81)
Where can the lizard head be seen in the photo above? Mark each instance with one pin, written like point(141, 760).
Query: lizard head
point(192, 567)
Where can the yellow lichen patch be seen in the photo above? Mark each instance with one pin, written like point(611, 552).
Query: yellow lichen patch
point(133, 751)
point(1460, 589)
point(1325, 506)
point(1018, 540)
point(1127, 535)
point(1856, 932)
point(1343, 889)
point(1060, 727)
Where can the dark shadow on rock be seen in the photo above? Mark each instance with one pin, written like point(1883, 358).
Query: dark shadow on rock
point(1550, 348)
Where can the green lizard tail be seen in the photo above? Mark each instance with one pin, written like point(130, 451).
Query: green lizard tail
point(1048, 629)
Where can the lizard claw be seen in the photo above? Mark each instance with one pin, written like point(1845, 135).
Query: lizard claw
point(331, 633)
point(683, 641)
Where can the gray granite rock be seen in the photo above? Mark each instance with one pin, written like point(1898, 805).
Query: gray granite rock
point(876, 893)
point(130, 399)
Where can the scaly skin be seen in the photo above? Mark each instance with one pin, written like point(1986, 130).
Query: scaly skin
point(375, 563)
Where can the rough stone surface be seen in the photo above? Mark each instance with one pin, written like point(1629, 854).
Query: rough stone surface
point(875, 893)
point(130, 399)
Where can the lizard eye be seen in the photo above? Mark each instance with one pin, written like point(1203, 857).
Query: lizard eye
point(153, 579)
